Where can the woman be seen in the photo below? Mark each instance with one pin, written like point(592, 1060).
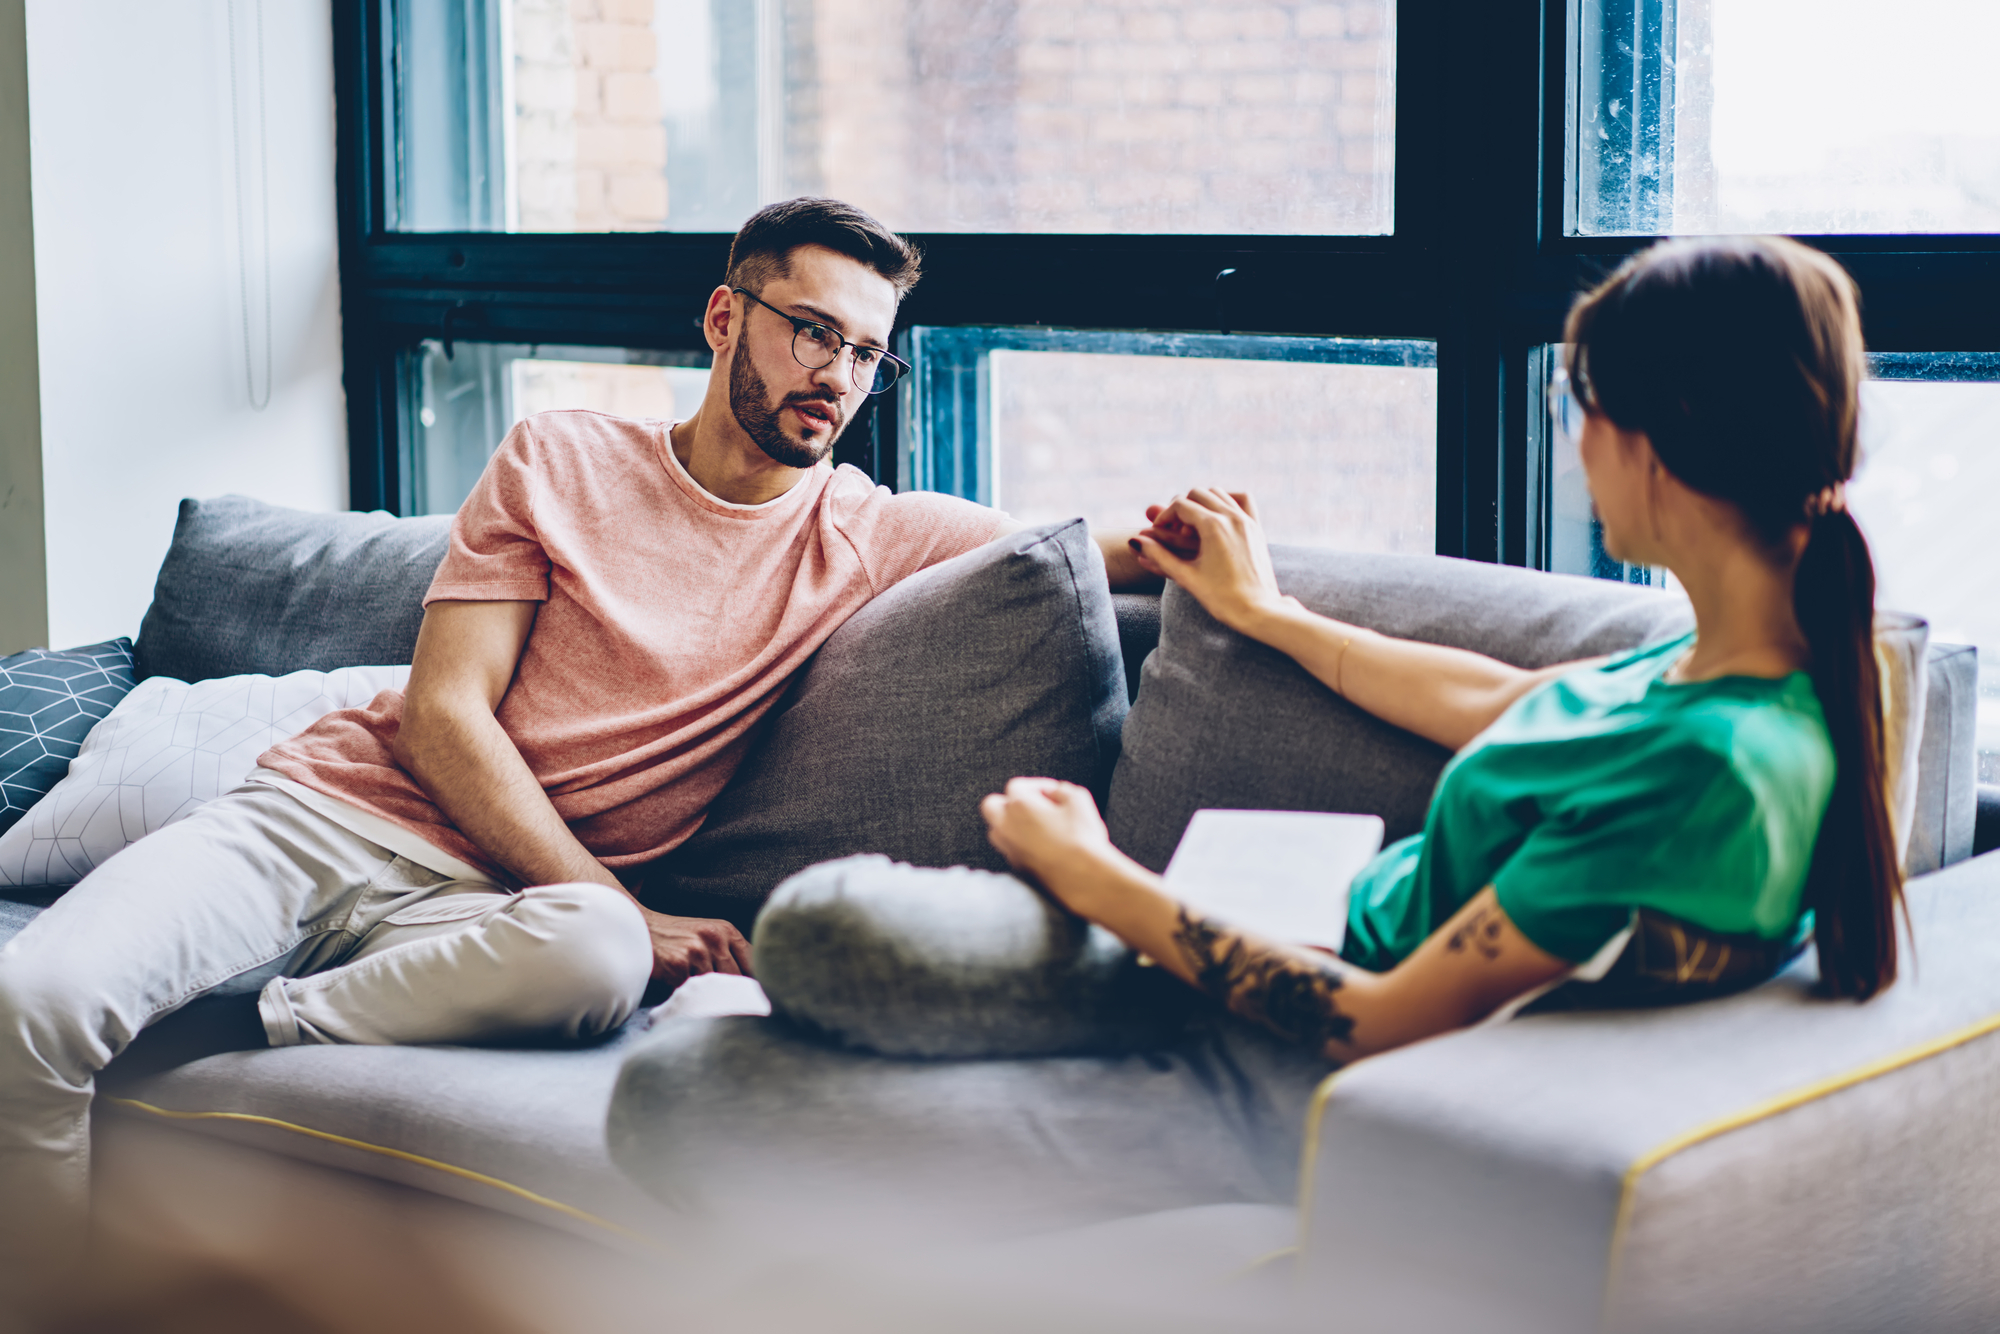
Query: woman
point(1731, 779)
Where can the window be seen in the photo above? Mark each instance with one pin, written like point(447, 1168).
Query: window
point(1153, 201)
point(1930, 430)
point(1336, 438)
point(1819, 116)
point(1024, 116)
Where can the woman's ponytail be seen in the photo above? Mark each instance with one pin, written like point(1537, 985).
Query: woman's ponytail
point(1855, 882)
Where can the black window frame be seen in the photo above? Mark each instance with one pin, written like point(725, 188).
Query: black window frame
point(1480, 262)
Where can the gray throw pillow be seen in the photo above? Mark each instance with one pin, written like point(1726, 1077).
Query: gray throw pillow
point(249, 587)
point(909, 961)
point(1000, 662)
point(1222, 721)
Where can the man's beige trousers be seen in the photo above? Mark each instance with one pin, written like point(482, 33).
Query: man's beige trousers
point(341, 939)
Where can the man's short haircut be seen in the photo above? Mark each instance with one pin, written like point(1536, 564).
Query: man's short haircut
point(763, 249)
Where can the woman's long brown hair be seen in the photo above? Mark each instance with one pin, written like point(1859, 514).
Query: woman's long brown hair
point(1741, 360)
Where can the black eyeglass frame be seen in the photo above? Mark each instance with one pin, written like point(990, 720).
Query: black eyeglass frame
point(799, 326)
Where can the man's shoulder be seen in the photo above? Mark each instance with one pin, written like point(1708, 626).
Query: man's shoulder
point(576, 446)
point(852, 495)
point(586, 426)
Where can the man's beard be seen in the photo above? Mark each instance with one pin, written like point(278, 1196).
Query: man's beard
point(750, 401)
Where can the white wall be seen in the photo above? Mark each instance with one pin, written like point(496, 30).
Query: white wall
point(24, 619)
point(139, 299)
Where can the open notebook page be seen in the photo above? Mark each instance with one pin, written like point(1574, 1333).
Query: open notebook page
point(1280, 874)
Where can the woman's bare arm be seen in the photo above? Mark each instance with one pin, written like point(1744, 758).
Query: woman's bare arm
point(1210, 543)
point(1474, 964)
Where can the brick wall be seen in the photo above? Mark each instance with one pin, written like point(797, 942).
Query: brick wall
point(1031, 115)
point(590, 148)
point(1106, 115)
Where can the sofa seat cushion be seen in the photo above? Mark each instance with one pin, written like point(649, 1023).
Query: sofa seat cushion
point(1223, 721)
point(1000, 662)
point(251, 587)
point(748, 1120)
point(517, 1130)
point(1773, 1161)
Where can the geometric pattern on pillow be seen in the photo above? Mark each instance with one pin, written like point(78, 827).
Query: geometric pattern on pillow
point(167, 748)
point(49, 701)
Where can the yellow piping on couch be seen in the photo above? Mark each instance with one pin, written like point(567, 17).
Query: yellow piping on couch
point(465, 1173)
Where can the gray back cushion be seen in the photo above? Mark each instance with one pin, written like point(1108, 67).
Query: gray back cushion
point(1223, 721)
point(250, 587)
point(1001, 662)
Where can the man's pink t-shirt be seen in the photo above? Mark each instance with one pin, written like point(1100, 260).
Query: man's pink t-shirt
point(671, 622)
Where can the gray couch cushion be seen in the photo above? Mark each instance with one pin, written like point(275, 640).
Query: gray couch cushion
point(1223, 721)
point(1003, 661)
point(907, 961)
point(1138, 633)
point(250, 587)
point(749, 1120)
point(519, 1130)
point(1947, 761)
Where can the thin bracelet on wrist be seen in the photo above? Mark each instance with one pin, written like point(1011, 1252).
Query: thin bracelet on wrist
point(1340, 666)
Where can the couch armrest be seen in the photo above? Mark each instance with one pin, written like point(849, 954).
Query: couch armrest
point(1770, 1161)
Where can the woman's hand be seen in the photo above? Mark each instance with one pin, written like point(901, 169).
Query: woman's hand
point(1050, 830)
point(1210, 543)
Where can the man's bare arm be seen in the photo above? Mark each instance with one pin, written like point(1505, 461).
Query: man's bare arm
point(455, 748)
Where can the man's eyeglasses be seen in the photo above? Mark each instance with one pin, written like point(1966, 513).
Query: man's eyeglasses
point(815, 346)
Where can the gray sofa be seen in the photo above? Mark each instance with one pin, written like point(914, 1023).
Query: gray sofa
point(1766, 1159)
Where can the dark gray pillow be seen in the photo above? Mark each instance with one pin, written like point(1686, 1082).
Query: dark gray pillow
point(1222, 721)
point(250, 587)
point(910, 961)
point(1003, 661)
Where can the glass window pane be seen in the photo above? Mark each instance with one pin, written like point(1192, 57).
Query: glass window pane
point(936, 115)
point(1924, 495)
point(462, 404)
point(1804, 116)
point(1336, 438)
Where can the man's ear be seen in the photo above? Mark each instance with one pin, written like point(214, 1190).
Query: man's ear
point(718, 322)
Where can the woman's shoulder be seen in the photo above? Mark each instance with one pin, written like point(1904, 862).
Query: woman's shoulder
point(1767, 734)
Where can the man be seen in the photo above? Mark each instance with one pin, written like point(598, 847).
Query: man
point(621, 603)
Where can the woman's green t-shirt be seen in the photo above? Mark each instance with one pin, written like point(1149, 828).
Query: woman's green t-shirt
point(1607, 790)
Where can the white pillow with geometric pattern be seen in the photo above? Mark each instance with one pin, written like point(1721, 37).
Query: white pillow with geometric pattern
point(167, 748)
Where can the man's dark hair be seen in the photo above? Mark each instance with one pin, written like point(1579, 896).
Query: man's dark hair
point(763, 249)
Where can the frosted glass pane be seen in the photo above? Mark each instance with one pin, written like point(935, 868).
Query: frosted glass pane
point(1924, 496)
point(1801, 116)
point(936, 115)
point(1339, 455)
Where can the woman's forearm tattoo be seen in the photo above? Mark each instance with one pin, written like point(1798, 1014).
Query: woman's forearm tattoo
point(1296, 997)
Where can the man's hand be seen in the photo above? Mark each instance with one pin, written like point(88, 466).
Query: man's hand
point(684, 947)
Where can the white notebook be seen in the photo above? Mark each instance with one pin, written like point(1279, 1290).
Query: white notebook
point(1280, 874)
